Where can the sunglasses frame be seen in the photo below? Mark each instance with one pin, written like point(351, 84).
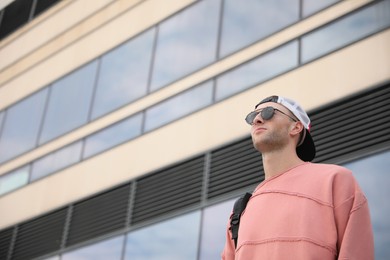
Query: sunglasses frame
point(266, 113)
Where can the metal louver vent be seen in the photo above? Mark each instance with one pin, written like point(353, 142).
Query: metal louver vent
point(174, 188)
point(234, 167)
point(99, 215)
point(356, 126)
point(5, 242)
point(40, 236)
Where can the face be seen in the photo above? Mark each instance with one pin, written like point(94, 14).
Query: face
point(274, 133)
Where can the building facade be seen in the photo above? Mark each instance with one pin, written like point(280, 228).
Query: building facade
point(122, 132)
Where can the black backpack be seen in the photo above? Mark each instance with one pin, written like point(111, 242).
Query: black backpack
point(238, 208)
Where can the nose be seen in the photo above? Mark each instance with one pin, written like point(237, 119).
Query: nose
point(258, 119)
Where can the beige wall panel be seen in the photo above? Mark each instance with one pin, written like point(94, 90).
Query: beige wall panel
point(67, 38)
point(69, 16)
point(343, 73)
point(108, 36)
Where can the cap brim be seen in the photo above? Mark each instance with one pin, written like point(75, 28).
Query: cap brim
point(307, 150)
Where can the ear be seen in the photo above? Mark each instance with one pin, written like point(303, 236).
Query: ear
point(296, 128)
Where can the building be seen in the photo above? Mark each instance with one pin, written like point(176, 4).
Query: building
point(122, 126)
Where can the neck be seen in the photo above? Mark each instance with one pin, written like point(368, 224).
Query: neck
point(277, 162)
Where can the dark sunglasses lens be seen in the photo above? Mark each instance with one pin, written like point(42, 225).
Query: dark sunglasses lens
point(267, 113)
point(250, 117)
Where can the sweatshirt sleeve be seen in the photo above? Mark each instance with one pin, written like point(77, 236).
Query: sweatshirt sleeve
point(352, 216)
point(229, 249)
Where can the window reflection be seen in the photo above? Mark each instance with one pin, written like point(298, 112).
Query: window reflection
point(108, 249)
point(21, 126)
point(56, 161)
point(14, 180)
point(186, 42)
point(260, 69)
point(113, 135)
point(312, 6)
point(346, 30)
point(169, 240)
point(245, 22)
point(214, 223)
point(373, 176)
point(178, 106)
point(123, 74)
point(69, 102)
point(1, 120)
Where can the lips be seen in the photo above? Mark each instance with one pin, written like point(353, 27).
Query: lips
point(258, 130)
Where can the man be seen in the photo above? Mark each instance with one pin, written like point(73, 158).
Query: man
point(301, 210)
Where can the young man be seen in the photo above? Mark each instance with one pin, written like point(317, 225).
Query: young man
point(301, 210)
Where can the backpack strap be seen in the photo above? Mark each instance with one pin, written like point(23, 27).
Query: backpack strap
point(238, 208)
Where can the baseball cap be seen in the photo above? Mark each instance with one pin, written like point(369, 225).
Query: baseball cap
point(306, 150)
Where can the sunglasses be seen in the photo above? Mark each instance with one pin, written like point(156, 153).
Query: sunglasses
point(266, 114)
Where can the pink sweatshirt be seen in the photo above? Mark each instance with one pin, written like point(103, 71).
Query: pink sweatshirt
point(313, 211)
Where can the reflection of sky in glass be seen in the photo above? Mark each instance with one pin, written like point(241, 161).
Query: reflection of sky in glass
point(373, 176)
point(109, 249)
point(179, 106)
point(346, 30)
point(215, 220)
point(69, 102)
point(312, 6)
point(186, 42)
point(13, 180)
point(123, 74)
point(53, 258)
point(245, 22)
point(174, 239)
point(1, 119)
point(113, 135)
point(56, 161)
point(21, 126)
point(257, 70)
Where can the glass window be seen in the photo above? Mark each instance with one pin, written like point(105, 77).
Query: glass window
point(69, 102)
point(258, 70)
point(107, 249)
point(186, 42)
point(245, 22)
point(1, 120)
point(172, 239)
point(215, 221)
point(373, 176)
point(56, 161)
point(14, 180)
point(179, 106)
point(312, 6)
point(21, 126)
point(113, 135)
point(123, 74)
point(346, 30)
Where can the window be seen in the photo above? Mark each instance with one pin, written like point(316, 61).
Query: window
point(176, 238)
point(13, 180)
point(21, 126)
point(15, 15)
point(258, 70)
point(108, 249)
point(373, 176)
point(178, 106)
point(215, 221)
point(245, 22)
point(69, 103)
point(123, 75)
point(186, 42)
point(310, 6)
point(56, 161)
point(346, 30)
point(113, 135)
